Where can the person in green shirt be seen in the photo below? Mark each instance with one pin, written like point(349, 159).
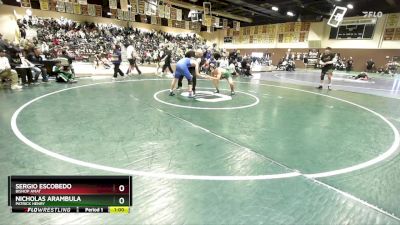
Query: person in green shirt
point(218, 74)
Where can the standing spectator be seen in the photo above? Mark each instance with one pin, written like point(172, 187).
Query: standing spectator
point(39, 68)
point(370, 66)
point(349, 64)
point(116, 60)
point(132, 57)
point(167, 60)
point(6, 72)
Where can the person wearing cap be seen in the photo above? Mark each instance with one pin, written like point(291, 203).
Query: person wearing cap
point(6, 72)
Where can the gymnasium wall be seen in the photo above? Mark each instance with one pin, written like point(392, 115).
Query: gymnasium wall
point(8, 24)
point(360, 56)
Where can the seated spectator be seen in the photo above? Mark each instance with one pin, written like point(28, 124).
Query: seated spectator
point(66, 56)
point(19, 65)
point(370, 66)
point(349, 64)
point(63, 74)
point(39, 68)
point(6, 73)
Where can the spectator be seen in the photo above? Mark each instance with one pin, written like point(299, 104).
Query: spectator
point(370, 66)
point(22, 68)
point(39, 68)
point(349, 64)
point(6, 72)
point(116, 60)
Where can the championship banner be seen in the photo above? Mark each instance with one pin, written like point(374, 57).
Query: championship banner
point(77, 8)
point(236, 27)
point(173, 13)
point(153, 20)
point(187, 25)
point(120, 14)
point(91, 10)
point(161, 11)
point(126, 15)
point(61, 6)
point(167, 12)
point(170, 23)
point(179, 14)
point(99, 11)
point(134, 6)
point(208, 20)
point(392, 20)
point(113, 4)
point(113, 13)
point(132, 16)
point(225, 23)
point(44, 4)
point(53, 5)
point(141, 6)
point(69, 7)
point(26, 3)
point(124, 5)
point(84, 9)
point(82, 2)
point(146, 9)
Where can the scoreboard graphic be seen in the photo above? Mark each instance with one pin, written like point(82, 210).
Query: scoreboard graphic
point(69, 194)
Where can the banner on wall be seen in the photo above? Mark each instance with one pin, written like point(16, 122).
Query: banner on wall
point(161, 11)
point(170, 23)
point(124, 5)
point(99, 11)
point(132, 16)
point(167, 12)
point(91, 10)
point(69, 7)
point(141, 7)
point(134, 6)
point(113, 4)
point(225, 23)
point(60, 6)
point(84, 10)
point(153, 20)
point(44, 4)
point(126, 15)
point(120, 14)
point(77, 8)
point(26, 3)
point(179, 14)
point(187, 25)
point(82, 2)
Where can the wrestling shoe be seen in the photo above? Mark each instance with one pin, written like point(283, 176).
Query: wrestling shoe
point(319, 87)
point(171, 93)
point(232, 93)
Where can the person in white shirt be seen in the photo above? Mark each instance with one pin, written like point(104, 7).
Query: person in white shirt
point(6, 72)
point(131, 55)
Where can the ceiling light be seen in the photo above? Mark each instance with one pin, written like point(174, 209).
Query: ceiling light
point(109, 13)
point(275, 8)
point(289, 13)
point(350, 6)
point(129, 6)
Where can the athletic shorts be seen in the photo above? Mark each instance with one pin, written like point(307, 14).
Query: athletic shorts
point(183, 72)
